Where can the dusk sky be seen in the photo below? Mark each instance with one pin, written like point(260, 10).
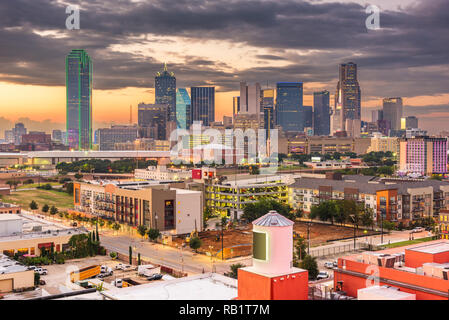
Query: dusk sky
point(221, 43)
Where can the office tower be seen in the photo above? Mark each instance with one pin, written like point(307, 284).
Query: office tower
point(152, 120)
point(289, 101)
point(235, 105)
point(183, 109)
point(307, 116)
point(165, 91)
point(227, 121)
point(108, 137)
point(392, 110)
point(267, 107)
point(9, 136)
point(203, 104)
point(423, 155)
point(377, 115)
point(18, 131)
point(348, 96)
point(249, 98)
point(321, 113)
point(79, 100)
point(56, 135)
point(409, 123)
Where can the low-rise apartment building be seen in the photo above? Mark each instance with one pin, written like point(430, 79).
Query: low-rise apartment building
point(397, 201)
point(159, 206)
point(162, 173)
point(443, 224)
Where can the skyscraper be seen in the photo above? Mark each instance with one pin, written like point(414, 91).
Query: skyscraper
point(183, 109)
point(235, 105)
point(79, 100)
point(152, 120)
point(348, 95)
point(165, 91)
point(289, 101)
point(203, 104)
point(392, 110)
point(250, 98)
point(267, 106)
point(321, 113)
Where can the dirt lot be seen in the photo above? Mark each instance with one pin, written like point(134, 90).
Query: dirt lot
point(319, 234)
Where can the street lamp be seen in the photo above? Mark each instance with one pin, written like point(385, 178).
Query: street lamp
point(353, 220)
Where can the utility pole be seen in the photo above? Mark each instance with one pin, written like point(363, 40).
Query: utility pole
point(308, 237)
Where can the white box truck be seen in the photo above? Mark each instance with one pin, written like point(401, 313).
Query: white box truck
point(147, 270)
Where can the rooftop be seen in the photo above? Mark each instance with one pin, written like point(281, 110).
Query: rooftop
point(207, 286)
point(9, 217)
point(8, 265)
point(273, 219)
point(434, 248)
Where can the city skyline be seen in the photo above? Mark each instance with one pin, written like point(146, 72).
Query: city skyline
point(34, 87)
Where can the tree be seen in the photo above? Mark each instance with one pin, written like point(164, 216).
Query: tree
point(325, 211)
point(142, 230)
point(153, 234)
point(388, 225)
point(300, 248)
point(45, 208)
point(299, 213)
point(309, 263)
point(33, 205)
point(130, 255)
point(254, 169)
point(195, 243)
point(53, 210)
point(116, 226)
point(234, 270)
point(207, 214)
point(138, 259)
point(253, 211)
point(78, 176)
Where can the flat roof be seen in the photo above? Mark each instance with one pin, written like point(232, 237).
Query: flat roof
point(386, 293)
point(207, 286)
point(432, 248)
point(8, 265)
point(9, 217)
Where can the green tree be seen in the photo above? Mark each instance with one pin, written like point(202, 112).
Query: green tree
point(153, 234)
point(300, 248)
point(130, 255)
point(253, 211)
point(45, 208)
point(78, 176)
point(142, 230)
point(309, 263)
point(195, 243)
point(388, 225)
point(325, 211)
point(33, 205)
point(234, 270)
point(53, 210)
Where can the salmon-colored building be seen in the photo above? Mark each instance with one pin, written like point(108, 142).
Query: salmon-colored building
point(272, 276)
point(421, 269)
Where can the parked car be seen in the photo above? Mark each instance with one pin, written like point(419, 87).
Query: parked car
point(418, 229)
point(74, 224)
point(42, 282)
point(118, 283)
point(119, 266)
point(322, 275)
point(105, 269)
point(156, 276)
point(127, 267)
point(32, 268)
point(41, 271)
point(329, 265)
point(105, 274)
point(335, 264)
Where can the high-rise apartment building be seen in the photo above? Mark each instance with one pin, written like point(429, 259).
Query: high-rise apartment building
point(183, 109)
point(348, 96)
point(423, 155)
point(321, 113)
point(203, 104)
point(79, 100)
point(289, 102)
point(152, 120)
point(165, 91)
point(392, 111)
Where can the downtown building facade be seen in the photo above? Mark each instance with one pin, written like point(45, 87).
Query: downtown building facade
point(183, 109)
point(152, 120)
point(203, 104)
point(289, 103)
point(347, 107)
point(321, 113)
point(108, 137)
point(392, 112)
point(79, 100)
point(423, 156)
point(165, 91)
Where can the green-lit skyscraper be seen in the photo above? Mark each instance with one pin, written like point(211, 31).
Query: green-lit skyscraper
point(78, 67)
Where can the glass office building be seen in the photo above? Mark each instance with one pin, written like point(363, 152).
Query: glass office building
point(183, 109)
point(289, 102)
point(348, 93)
point(165, 91)
point(321, 113)
point(79, 100)
point(203, 104)
point(267, 107)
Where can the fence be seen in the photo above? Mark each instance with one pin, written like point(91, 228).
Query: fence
point(338, 249)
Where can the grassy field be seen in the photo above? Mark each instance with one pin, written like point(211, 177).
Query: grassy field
point(407, 243)
point(61, 200)
point(35, 185)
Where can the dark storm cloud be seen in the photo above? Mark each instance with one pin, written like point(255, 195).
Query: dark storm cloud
point(407, 57)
